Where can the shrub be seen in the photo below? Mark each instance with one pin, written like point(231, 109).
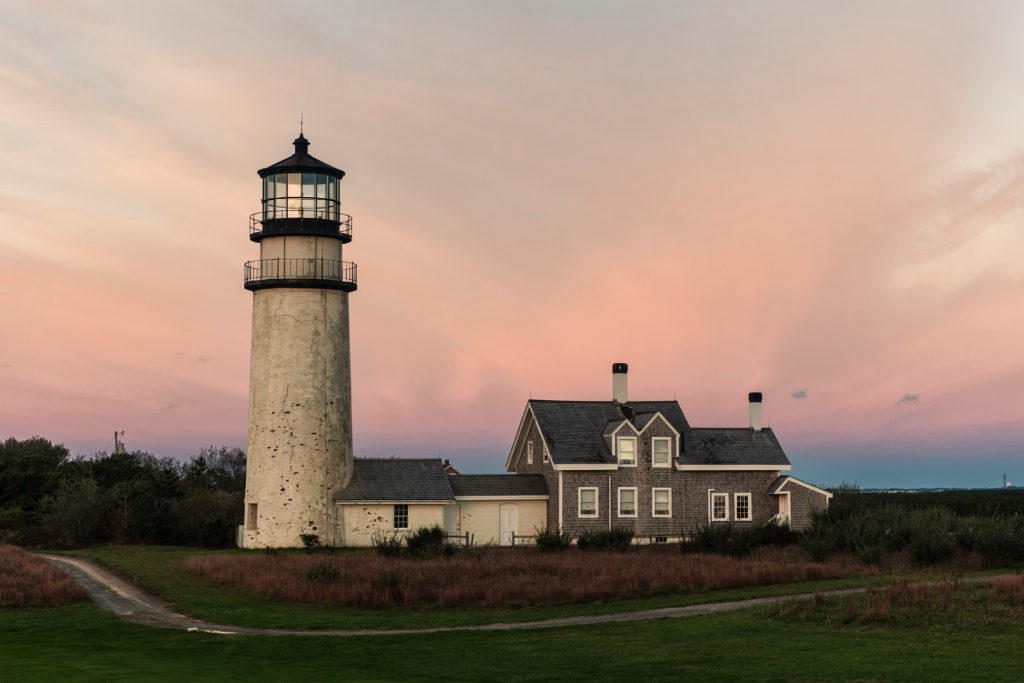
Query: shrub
point(324, 571)
point(738, 540)
point(1000, 540)
point(427, 541)
point(548, 540)
point(387, 544)
point(613, 539)
point(310, 541)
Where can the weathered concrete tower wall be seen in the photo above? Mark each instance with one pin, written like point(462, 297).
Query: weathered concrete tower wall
point(300, 395)
point(300, 414)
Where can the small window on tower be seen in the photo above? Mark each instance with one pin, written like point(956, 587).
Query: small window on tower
point(250, 520)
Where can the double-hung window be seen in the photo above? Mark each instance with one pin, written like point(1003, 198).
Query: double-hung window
point(662, 502)
point(627, 451)
point(627, 502)
point(743, 513)
point(720, 507)
point(661, 447)
point(401, 516)
point(588, 502)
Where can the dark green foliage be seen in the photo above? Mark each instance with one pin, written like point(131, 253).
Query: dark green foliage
point(737, 540)
point(550, 540)
point(49, 499)
point(613, 539)
point(427, 541)
point(872, 526)
point(26, 469)
point(999, 539)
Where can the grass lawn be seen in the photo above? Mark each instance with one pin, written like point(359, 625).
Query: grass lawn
point(158, 570)
point(81, 643)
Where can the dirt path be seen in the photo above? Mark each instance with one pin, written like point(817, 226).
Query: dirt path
point(116, 595)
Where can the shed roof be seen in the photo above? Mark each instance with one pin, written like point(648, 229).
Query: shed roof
point(398, 479)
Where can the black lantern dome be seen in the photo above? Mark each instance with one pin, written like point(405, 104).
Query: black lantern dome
point(300, 197)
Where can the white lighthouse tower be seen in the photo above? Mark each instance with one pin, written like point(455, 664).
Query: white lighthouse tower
point(300, 388)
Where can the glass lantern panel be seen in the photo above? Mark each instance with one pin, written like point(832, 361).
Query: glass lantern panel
point(281, 180)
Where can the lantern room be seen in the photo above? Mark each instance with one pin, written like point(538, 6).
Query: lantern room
point(300, 197)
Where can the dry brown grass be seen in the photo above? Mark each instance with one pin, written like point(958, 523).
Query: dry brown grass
point(953, 603)
point(506, 578)
point(27, 580)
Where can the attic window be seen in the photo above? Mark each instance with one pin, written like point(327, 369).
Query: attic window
point(660, 448)
point(627, 451)
point(547, 456)
point(529, 452)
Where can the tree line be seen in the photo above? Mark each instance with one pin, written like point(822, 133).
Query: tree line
point(49, 498)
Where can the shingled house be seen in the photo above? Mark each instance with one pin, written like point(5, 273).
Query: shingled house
point(581, 466)
point(640, 465)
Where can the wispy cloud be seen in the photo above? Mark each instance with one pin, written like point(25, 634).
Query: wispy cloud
point(907, 398)
point(799, 394)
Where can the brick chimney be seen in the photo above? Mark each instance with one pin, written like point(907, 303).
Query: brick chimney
point(755, 410)
point(620, 392)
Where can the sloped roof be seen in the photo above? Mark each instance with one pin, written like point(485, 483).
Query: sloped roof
point(732, 446)
point(785, 479)
point(497, 485)
point(573, 430)
point(395, 479)
point(302, 160)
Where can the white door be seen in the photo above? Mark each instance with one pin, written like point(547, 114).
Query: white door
point(508, 518)
point(451, 521)
point(784, 508)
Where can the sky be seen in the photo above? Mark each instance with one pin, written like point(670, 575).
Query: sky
point(823, 202)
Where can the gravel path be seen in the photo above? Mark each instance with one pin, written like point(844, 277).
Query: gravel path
point(128, 602)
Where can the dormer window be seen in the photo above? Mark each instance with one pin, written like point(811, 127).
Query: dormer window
point(661, 447)
point(627, 451)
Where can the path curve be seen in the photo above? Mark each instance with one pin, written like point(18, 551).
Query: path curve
point(114, 594)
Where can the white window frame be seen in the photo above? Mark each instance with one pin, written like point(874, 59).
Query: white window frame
point(618, 450)
point(395, 516)
point(736, 507)
point(654, 506)
point(724, 497)
point(529, 452)
point(579, 502)
point(668, 451)
point(636, 501)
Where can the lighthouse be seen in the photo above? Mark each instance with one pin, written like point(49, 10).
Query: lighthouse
point(300, 387)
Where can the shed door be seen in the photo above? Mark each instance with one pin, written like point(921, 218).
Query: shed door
point(451, 520)
point(508, 521)
point(784, 507)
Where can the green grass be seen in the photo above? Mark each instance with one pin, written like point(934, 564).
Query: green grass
point(82, 644)
point(158, 570)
